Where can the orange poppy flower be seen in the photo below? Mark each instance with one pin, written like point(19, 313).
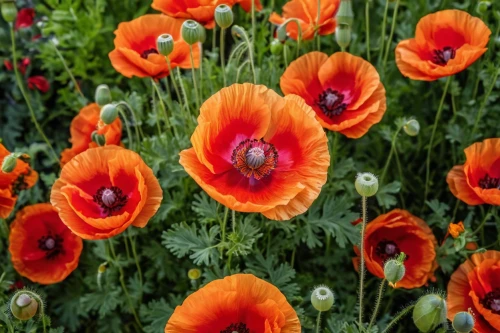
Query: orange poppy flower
point(135, 52)
point(238, 303)
point(477, 182)
point(395, 232)
point(201, 11)
point(82, 126)
point(475, 285)
point(12, 183)
point(43, 249)
point(306, 11)
point(255, 151)
point(104, 190)
point(445, 43)
point(344, 90)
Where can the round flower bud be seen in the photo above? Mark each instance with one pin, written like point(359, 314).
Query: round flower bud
point(281, 33)
point(429, 312)
point(23, 306)
point(102, 95)
point(412, 127)
point(394, 271)
point(483, 6)
point(191, 32)
point(194, 274)
point(463, 322)
point(224, 16)
point(9, 163)
point(345, 15)
point(276, 47)
point(366, 184)
point(322, 298)
point(343, 35)
point(165, 44)
point(9, 11)
point(109, 112)
point(98, 138)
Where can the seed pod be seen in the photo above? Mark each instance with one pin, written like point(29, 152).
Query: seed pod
point(343, 35)
point(9, 11)
point(9, 163)
point(483, 7)
point(366, 184)
point(23, 306)
point(412, 127)
point(109, 112)
point(224, 16)
point(463, 322)
point(276, 47)
point(429, 312)
point(322, 298)
point(98, 138)
point(190, 31)
point(345, 15)
point(102, 95)
point(394, 271)
point(194, 274)
point(165, 44)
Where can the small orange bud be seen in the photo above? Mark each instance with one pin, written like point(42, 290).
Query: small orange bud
point(456, 229)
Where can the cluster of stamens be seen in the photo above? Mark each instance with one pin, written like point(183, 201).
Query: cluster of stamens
point(331, 102)
point(387, 249)
point(492, 301)
point(488, 183)
point(255, 158)
point(111, 199)
point(52, 245)
point(441, 57)
point(147, 52)
point(238, 328)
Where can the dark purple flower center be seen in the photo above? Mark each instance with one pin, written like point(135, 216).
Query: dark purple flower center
point(488, 183)
point(147, 52)
point(255, 158)
point(387, 249)
point(331, 103)
point(492, 301)
point(441, 57)
point(238, 328)
point(52, 245)
point(111, 199)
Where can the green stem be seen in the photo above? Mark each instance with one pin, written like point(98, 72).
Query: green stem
point(179, 96)
point(222, 60)
point(391, 35)
point(362, 260)
point(134, 118)
point(480, 227)
point(240, 31)
point(214, 38)
point(377, 304)
point(333, 153)
point(383, 31)
point(400, 315)
point(77, 87)
point(483, 104)
point(233, 213)
point(179, 76)
point(367, 22)
point(136, 258)
point(292, 261)
point(25, 96)
point(195, 84)
point(153, 94)
point(318, 322)
point(127, 126)
point(391, 153)
point(431, 143)
point(316, 31)
point(223, 228)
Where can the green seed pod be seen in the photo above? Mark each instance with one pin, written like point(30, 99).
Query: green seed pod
point(102, 95)
point(345, 15)
point(109, 112)
point(9, 11)
point(463, 322)
point(23, 306)
point(429, 312)
point(483, 7)
point(224, 16)
point(343, 35)
point(9, 163)
point(366, 184)
point(165, 44)
point(203, 34)
point(98, 138)
point(276, 47)
point(412, 127)
point(322, 298)
point(190, 31)
point(194, 274)
point(394, 271)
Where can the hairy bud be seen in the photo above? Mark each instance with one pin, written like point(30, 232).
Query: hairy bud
point(102, 95)
point(109, 112)
point(23, 305)
point(429, 312)
point(366, 184)
point(463, 322)
point(394, 270)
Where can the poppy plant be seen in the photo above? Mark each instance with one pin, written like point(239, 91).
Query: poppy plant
point(395, 232)
point(475, 285)
point(477, 182)
point(39, 83)
point(344, 90)
point(239, 303)
point(83, 125)
point(42, 248)
point(445, 43)
point(254, 151)
point(104, 190)
point(25, 18)
point(306, 12)
point(135, 52)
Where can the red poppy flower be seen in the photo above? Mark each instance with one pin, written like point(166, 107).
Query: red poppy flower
point(445, 43)
point(344, 90)
point(8, 65)
point(12, 183)
point(135, 52)
point(477, 182)
point(82, 126)
point(395, 232)
point(254, 151)
point(238, 303)
point(22, 65)
point(104, 190)
point(25, 18)
point(38, 82)
point(475, 285)
point(42, 248)
point(306, 11)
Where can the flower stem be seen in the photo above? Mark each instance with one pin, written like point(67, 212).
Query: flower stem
point(77, 87)
point(429, 149)
point(222, 60)
point(391, 153)
point(316, 31)
point(483, 104)
point(377, 304)
point(183, 90)
point(318, 322)
point(136, 258)
point(241, 33)
point(223, 228)
point(134, 118)
point(362, 260)
point(367, 22)
point(383, 31)
point(195, 84)
point(398, 317)
point(25, 96)
point(393, 27)
point(185, 106)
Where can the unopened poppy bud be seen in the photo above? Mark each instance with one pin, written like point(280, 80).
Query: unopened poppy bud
point(429, 312)
point(191, 32)
point(23, 306)
point(276, 47)
point(345, 15)
point(394, 270)
point(343, 35)
point(203, 34)
point(102, 95)
point(463, 322)
point(9, 11)
point(224, 16)
point(194, 274)
point(281, 33)
point(412, 127)
point(98, 138)
point(366, 184)
point(483, 7)
point(322, 298)
point(109, 112)
point(102, 268)
point(165, 44)
point(9, 163)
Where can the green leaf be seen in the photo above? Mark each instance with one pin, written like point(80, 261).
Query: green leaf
point(242, 240)
point(156, 313)
point(205, 207)
point(103, 302)
point(385, 197)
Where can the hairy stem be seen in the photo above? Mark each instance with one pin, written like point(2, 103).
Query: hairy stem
point(193, 73)
point(318, 322)
point(483, 104)
point(222, 60)
point(367, 22)
point(400, 315)
point(380, 295)
point(77, 87)
point(362, 259)
point(391, 35)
